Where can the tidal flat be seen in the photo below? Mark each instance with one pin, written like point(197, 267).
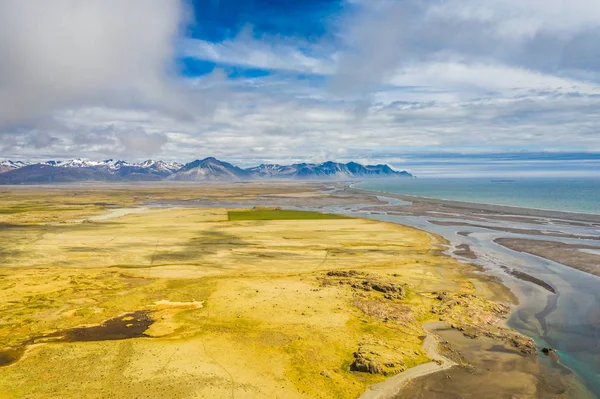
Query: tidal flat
point(227, 300)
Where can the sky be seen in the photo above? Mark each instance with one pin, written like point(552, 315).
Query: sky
point(433, 86)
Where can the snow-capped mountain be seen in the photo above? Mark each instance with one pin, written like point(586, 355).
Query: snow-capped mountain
point(83, 170)
point(8, 165)
point(84, 163)
point(171, 167)
point(274, 170)
point(114, 164)
point(208, 169)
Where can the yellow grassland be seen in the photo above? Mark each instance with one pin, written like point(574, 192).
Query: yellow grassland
point(240, 306)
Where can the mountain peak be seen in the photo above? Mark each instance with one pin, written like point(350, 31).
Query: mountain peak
point(207, 169)
point(211, 169)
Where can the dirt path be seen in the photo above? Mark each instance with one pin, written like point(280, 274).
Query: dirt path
point(393, 385)
point(117, 213)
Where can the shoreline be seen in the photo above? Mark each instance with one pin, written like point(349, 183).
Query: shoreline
point(569, 231)
point(573, 256)
point(394, 385)
point(479, 206)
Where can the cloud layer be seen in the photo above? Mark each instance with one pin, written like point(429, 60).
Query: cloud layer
point(68, 53)
point(375, 80)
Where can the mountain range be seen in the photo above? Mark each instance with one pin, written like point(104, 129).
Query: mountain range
point(208, 169)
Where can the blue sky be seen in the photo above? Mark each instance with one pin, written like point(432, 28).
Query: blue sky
point(404, 82)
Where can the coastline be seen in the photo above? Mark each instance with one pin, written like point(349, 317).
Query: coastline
point(393, 385)
point(573, 256)
point(546, 240)
point(552, 295)
point(478, 206)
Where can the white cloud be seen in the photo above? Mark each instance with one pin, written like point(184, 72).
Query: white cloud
point(452, 75)
point(552, 37)
point(62, 53)
point(138, 142)
point(280, 127)
point(475, 78)
point(266, 53)
point(523, 19)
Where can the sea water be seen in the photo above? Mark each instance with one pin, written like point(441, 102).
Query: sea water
point(581, 195)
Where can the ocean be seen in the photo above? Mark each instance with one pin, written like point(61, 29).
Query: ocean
point(581, 195)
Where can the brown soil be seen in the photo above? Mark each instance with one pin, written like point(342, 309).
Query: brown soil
point(465, 251)
point(492, 369)
point(513, 230)
point(527, 277)
point(566, 254)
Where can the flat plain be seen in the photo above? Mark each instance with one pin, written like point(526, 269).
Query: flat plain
point(101, 294)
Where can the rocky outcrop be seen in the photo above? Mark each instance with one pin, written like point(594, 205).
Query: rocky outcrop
point(377, 359)
point(363, 282)
point(343, 273)
point(364, 363)
point(466, 308)
point(475, 316)
point(513, 339)
point(551, 353)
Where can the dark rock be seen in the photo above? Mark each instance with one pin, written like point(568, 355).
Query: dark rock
point(362, 363)
point(525, 345)
point(387, 287)
point(551, 353)
point(342, 273)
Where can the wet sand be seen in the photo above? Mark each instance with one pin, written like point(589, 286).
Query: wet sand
point(491, 369)
point(393, 385)
point(577, 256)
point(527, 277)
point(465, 251)
point(517, 231)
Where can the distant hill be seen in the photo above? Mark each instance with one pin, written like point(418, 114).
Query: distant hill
point(47, 174)
point(208, 169)
point(326, 170)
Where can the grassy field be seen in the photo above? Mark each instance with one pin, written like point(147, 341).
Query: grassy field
point(242, 306)
point(279, 214)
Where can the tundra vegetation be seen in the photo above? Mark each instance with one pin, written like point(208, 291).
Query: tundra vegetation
point(217, 302)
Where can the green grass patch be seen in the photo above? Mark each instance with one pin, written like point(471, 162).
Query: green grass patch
point(276, 214)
